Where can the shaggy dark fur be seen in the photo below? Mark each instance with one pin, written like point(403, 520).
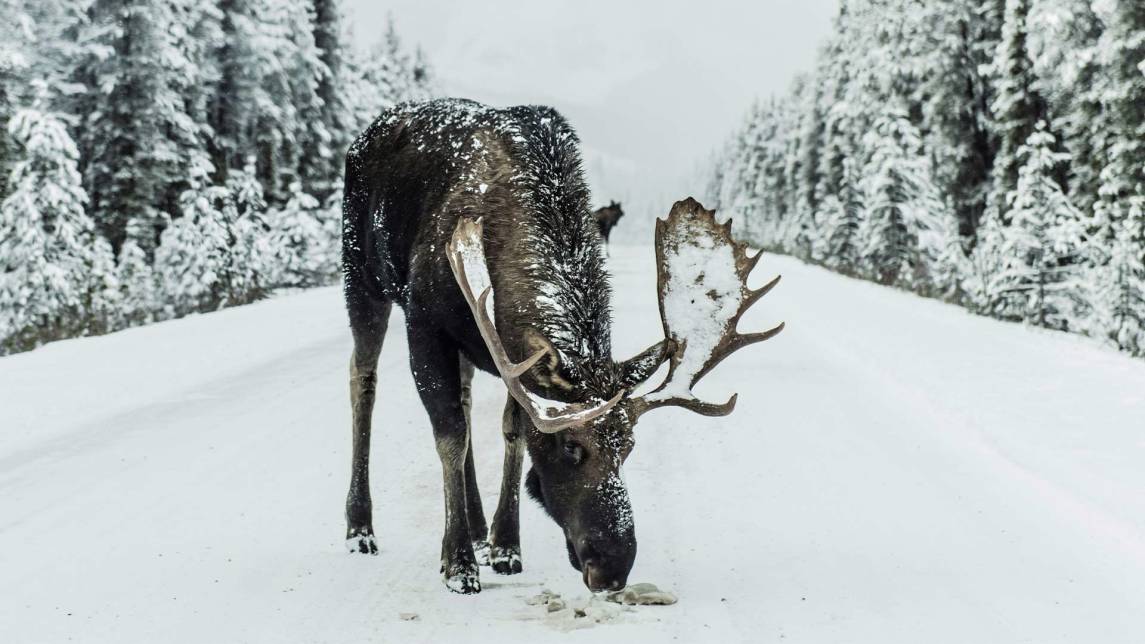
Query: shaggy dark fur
point(409, 177)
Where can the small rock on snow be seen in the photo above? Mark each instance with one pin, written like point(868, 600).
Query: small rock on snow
point(642, 595)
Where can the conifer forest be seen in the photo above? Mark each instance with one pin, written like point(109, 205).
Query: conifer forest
point(163, 157)
point(986, 152)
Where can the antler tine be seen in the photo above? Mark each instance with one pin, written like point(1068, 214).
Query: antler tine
point(467, 237)
point(642, 406)
point(756, 294)
point(697, 293)
point(753, 260)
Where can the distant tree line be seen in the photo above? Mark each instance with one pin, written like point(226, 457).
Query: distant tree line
point(163, 157)
point(987, 152)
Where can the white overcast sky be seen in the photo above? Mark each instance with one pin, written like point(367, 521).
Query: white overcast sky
point(652, 87)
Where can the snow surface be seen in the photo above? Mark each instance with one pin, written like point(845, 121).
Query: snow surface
point(897, 470)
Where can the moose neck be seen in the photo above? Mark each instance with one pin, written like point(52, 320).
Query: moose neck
point(553, 278)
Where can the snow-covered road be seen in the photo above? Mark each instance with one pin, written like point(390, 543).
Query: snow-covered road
point(897, 471)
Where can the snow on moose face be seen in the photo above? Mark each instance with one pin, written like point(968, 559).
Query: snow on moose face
point(576, 477)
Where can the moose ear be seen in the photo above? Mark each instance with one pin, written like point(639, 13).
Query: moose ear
point(547, 372)
point(639, 368)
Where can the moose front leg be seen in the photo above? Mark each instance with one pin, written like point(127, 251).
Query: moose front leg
point(505, 546)
point(478, 529)
point(437, 374)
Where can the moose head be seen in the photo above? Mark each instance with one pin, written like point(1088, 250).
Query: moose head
point(578, 448)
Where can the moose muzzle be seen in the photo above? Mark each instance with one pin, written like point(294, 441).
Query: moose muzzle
point(603, 559)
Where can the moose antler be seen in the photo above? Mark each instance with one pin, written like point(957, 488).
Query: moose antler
point(466, 254)
point(702, 280)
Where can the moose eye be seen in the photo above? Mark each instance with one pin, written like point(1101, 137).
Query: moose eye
point(573, 451)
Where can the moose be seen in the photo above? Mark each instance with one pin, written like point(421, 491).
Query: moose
point(607, 218)
point(476, 222)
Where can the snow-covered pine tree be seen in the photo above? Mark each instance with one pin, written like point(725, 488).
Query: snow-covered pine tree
point(1040, 276)
point(734, 191)
point(214, 254)
point(834, 71)
point(1119, 296)
point(138, 140)
point(1063, 46)
point(268, 72)
point(238, 96)
point(1120, 287)
point(841, 220)
point(139, 291)
point(796, 227)
point(1017, 105)
point(252, 263)
point(812, 126)
point(952, 92)
point(321, 173)
point(770, 181)
point(192, 260)
point(56, 273)
point(308, 150)
point(986, 262)
point(305, 250)
point(829, 218)
point(36, 57)
point(1120, 88)
point(950, 264)
point(16, 35)
point(903, 212)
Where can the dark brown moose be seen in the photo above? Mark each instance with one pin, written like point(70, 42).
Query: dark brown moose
point(476, 222)
point(607, 218)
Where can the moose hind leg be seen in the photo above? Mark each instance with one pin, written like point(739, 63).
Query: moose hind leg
point(437, 374)
point(505, 539)
point(368, 322)
point(478, 529)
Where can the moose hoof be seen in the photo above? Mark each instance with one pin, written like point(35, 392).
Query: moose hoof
point(505, 561)
point(463, 580)
point(363, 543)
point(481, 552)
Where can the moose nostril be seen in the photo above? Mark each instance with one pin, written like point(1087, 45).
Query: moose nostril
point(598, 579)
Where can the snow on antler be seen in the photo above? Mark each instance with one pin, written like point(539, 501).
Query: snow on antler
point(702, 281)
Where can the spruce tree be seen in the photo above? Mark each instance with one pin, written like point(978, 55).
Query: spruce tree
point(841, 222)
point(953, 95)
point(304, 244)
point(324, 170)
point(1017, 105)
point(1120, 288)
point(15, 44)
point(902, 208)
point(216, 253)
point(1121, 91)
point(138, 141)
point(56, 273)
point(1041, 260)
point(139, 292)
